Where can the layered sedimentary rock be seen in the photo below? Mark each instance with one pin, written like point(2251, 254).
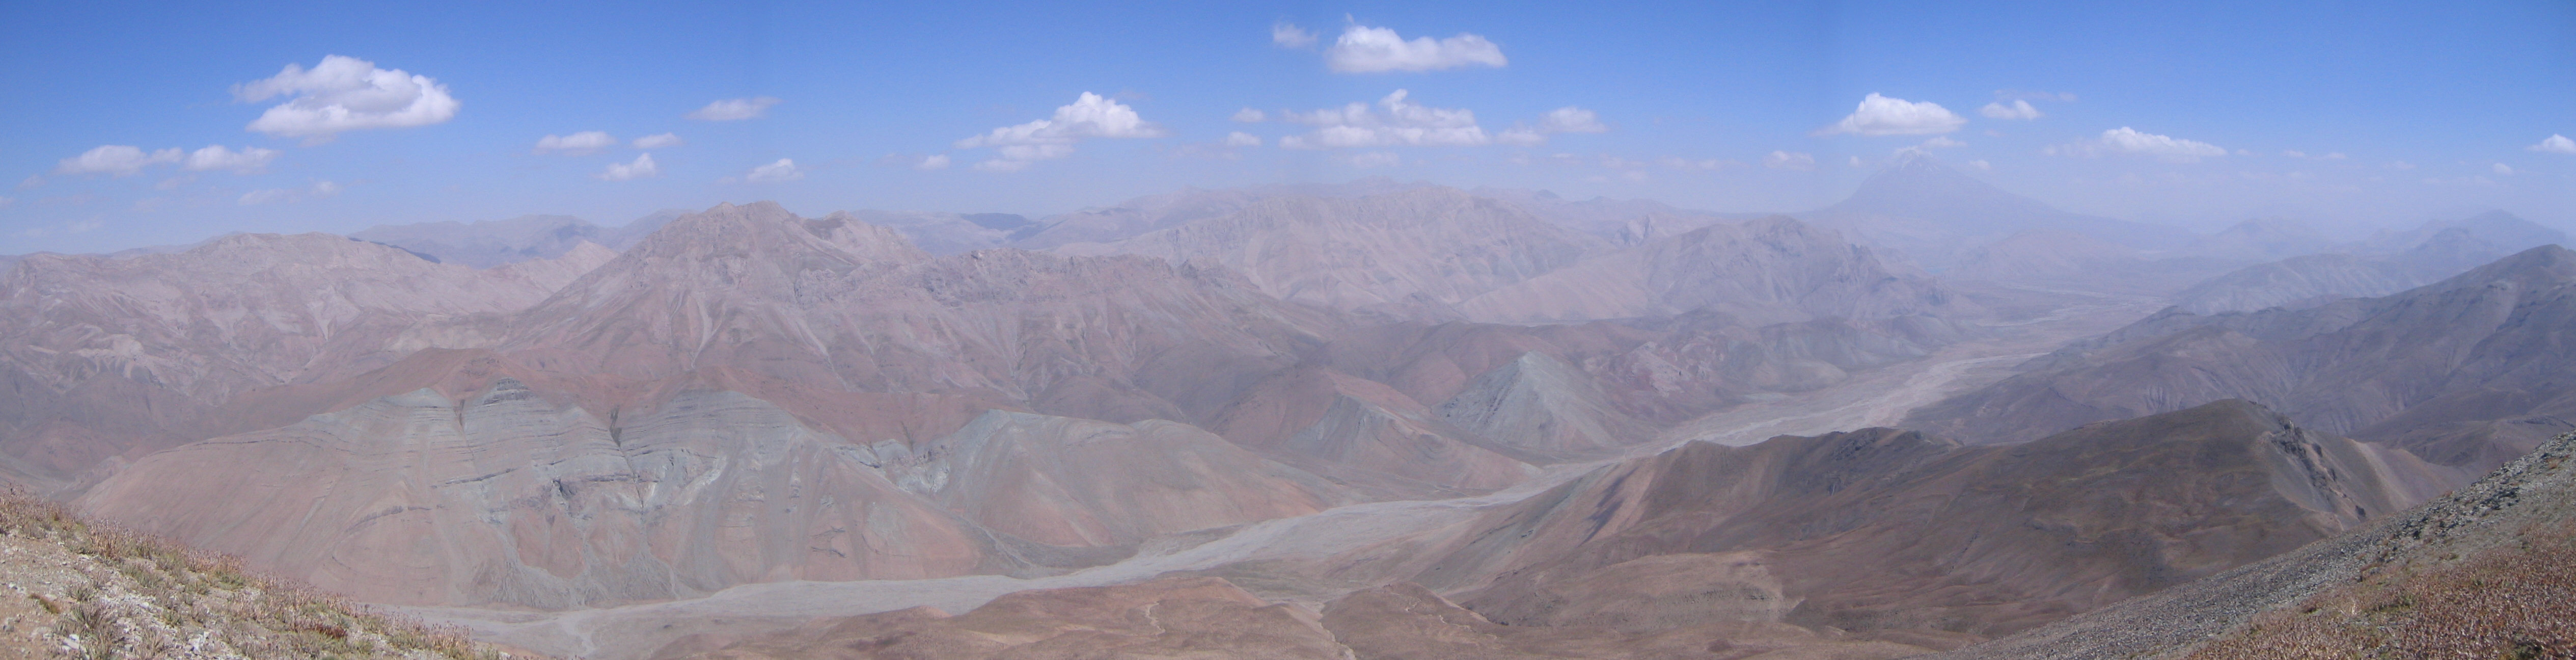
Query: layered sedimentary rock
point(1364, 433)
point(507, 497)
point(848, 306)
point(104, 357)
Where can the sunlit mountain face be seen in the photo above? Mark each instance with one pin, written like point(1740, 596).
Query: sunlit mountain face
point(1754, 330)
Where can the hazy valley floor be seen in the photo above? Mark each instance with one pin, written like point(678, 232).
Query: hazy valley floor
point(1872, 398)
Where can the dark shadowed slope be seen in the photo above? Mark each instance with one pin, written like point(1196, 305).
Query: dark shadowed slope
point(2483, 572)
point(1886, 529)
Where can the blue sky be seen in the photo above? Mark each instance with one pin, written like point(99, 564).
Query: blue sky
point(2400, 111)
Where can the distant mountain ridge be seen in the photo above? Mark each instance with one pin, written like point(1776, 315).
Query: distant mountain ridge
point(2466, 371)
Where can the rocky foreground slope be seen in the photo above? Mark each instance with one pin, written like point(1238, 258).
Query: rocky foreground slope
point(2484, 572)
point(76, 589)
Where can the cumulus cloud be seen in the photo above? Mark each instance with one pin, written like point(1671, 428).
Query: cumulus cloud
point(1375, 159)
point(1880, 115)
point(1287, 35)
point(1242, 139)
point(2125, 140)
point(2556, 144)
point(2129, 140)
point(1570, 119)
point(735, 109)
point(1363, 49)
point(250, 160)
point(1248, 115)
point(575, 144)
point(2293, 153)
point(1397, 121)
point(1940, 141)
point(932, 162)
point(1982, 165)
point(345, 94)
point(32, 182)
point(318, 189)
point(1789, 160)
point(2019, 109)
point(2501, 168)
point(1089, 116)
point(641, 167)
point(113, 159)
point(662, 141)
point(783, 170)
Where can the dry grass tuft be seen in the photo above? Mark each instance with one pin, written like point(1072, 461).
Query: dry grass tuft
point(2512, 602)
point(133, 595)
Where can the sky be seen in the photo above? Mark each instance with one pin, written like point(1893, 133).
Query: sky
point(147, 124)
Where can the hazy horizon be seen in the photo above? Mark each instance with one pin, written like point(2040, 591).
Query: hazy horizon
point(2350, 118)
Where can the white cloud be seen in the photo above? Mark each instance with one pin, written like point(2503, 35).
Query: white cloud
point(1242, 139)
point(642, 167)
point(2125, 140)
point(1940, 141)
point(1982, 165)
point(345, 94)
point(1401, 123)
point(1568, 119)
point(1375, 159)
point(79, 226)
point(1287, 35)
point(1363, 49)
point(1788, 160)
point(661, 141)
point(281, 195)
point(2555, 144)
point(575, 144)
point(1855, 162)
point(250, 160)
point(2293, 153)
point(783, 170)
point(2019, 109)
point(1680, 163)
point(1090, 116)
point(114, 159)
point(1248, 115)
point(735, 109)
point(923, 162)
point(32, 182)
point(2501, 168)
point(2129, 140)
point(2399, 165)
point(1880, 115)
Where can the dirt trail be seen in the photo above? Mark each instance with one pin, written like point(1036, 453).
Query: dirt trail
point(1873, 398)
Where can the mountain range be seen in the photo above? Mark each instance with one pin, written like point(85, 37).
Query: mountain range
point(1364, 420)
